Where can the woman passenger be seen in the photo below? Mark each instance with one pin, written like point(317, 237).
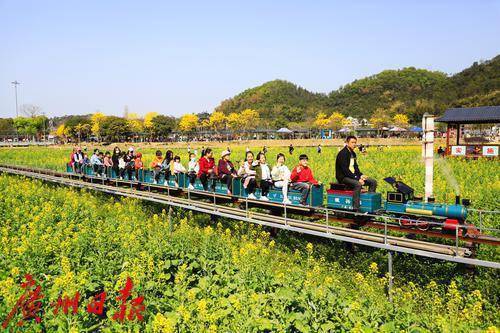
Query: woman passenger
point(263, 176)
point(281, 176)
point(248, 175)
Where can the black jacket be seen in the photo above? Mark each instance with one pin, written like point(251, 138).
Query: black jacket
point(342, 165)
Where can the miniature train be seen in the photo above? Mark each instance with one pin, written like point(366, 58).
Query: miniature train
point(401, 203)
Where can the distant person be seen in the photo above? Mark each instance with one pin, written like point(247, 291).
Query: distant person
point(302, 178)
point(264, 150)
point(202, 151)
point(318, 149)
point(290, 149)
point(347, 171)
point(440, 151)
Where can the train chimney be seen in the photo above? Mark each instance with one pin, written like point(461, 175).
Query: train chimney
point(457, 200)
point(428, 153)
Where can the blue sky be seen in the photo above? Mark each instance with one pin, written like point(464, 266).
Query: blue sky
point(76, 57)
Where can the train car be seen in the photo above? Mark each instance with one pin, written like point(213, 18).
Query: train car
point(314, 198)
point(339, 196)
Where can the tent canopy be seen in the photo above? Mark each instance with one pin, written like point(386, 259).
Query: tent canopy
point(416, 129)
point(397, 129)
point(284, 130)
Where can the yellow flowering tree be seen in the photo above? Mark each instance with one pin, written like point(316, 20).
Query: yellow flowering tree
point(218, 121)
point(321, 121)
point(96, 120)
point(336, 121)
point(401, 120)
point(188, 122)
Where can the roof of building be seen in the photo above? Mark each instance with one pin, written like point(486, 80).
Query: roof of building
point(475, 115)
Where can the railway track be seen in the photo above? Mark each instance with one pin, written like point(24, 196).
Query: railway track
point(218, 206)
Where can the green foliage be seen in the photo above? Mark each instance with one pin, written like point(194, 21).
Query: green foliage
point(30, 126)
point(7, 126)
point(278, 102)
point(114, 128)
point(163, 125)
point(479, 79)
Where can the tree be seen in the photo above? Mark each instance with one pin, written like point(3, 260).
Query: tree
point(25, 126)
point(188, 122)
point(397, 107)
point(148, 120)
point(380, 118)
point(163, 125)
point(115, 128)
point(321, 121)
point(82, 130)
point(218, 121)
point(96, 119)
point(234, 122)
point(336, 121)
point(7, 126)
point(250, 119)
point(61, 131)
point(400, 120)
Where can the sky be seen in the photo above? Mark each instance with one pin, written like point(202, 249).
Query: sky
point(77, 57)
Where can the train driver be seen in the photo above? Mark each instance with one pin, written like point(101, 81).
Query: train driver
point(347, 171)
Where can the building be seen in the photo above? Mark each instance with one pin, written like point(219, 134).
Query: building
point(472, 132)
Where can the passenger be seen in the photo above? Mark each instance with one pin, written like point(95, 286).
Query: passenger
point(114, 158)
point(167, 166)
point(263, 176)
point(207, 169)
point(108, 163)
point(248, 175)
point(281, 177)
point(193, 169)
point(156, 166)
point(347, 171)
point(72, 159)
point(178, 168)
point(129, 163)
point(226, 171)
point(78, 160)
point(97, 164)
point(121, 165)
point(302, 178)
point(138, 165)
point(85, 161)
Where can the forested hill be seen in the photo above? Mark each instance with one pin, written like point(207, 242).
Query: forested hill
point(409, 90)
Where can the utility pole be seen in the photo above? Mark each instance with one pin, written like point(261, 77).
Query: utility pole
point(15, 83)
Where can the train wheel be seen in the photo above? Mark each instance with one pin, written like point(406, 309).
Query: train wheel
point(422, 224)
point(405, 221)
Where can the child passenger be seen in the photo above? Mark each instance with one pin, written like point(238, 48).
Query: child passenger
point(138, 165)
point(263, 176)
point(193, 168)
point(281, 177)
point(178, 168)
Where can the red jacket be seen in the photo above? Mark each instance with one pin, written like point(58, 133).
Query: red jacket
point(205, 165)
point(305, 175)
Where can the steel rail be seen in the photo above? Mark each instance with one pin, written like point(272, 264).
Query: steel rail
point(376, 240)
